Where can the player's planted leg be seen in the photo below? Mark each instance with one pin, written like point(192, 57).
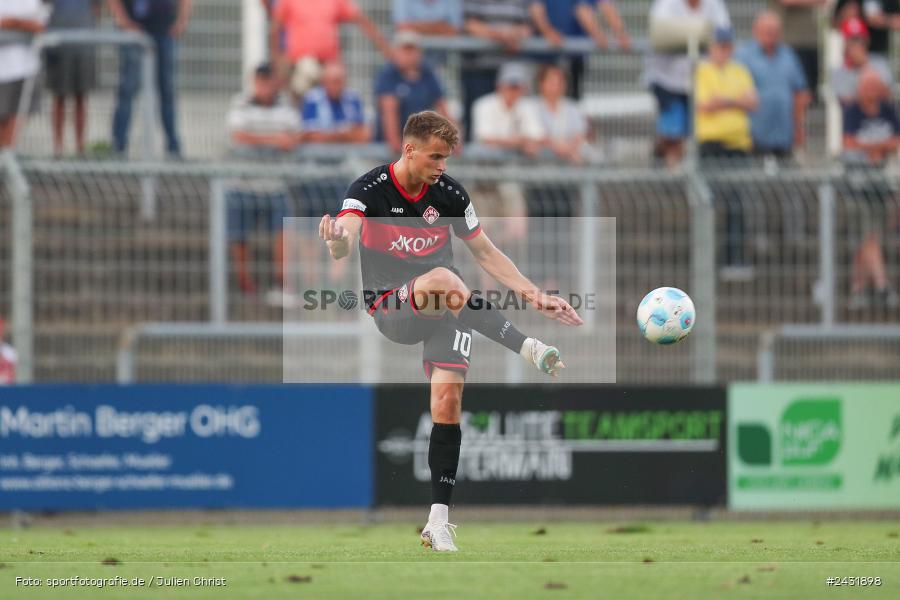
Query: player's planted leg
point(441, 289)
point(443, 457)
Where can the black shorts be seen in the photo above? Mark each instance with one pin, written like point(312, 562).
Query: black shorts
point(447, 342)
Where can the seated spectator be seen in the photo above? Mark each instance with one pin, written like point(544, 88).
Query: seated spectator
point(332, 113)
point(70, 69)
point(779, 124)
point(266, 122)
point(431, 17)
point(724, 96)
point(871, 137)
point(563, 126)
point(504, 22)
point(8, 359)
point(312, 37)
point(845, 79)
point(405, 86)
point(18, 61)
point(871, 128)
point(503, 120)
point(668, 74)
point(556, 20)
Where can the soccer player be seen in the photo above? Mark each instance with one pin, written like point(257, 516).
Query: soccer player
point(402, 214)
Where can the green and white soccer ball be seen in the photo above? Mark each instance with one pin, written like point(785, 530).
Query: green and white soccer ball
point(666, 316)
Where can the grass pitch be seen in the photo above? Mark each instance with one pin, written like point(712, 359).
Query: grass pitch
point(497, 561)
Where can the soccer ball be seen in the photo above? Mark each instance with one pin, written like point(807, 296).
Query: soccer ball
point(665, 315)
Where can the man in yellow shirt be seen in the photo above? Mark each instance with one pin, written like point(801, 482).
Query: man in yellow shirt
point(724, 97)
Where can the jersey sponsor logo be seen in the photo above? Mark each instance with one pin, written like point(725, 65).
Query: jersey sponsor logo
point(352, 204)
point(431, 215)
point(414, 245)
point(402, 241)
point(397, 209)
point(471, 217)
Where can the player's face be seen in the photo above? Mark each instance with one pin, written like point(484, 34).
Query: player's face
point(428, 160)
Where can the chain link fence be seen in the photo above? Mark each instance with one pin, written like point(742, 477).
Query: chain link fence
point(115, 248)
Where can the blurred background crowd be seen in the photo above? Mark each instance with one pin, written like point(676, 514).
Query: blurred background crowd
point(752, 88)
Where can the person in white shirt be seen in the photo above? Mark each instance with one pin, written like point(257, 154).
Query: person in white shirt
point(18, 61)
point(264, 124)
point(563, 125)
point(503, 120)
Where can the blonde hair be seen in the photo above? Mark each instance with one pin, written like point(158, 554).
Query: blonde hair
point(425, 124)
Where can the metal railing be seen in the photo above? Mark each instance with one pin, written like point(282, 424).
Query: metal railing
point(98, 266)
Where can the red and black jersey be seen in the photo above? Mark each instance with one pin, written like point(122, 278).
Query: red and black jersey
point(404, 236)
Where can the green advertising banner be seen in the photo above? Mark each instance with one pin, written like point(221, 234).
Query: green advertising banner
point(808, 446)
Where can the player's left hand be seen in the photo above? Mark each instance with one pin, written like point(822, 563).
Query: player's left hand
point(554, 307)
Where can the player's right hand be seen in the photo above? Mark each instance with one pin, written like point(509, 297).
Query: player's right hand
point(332, 231)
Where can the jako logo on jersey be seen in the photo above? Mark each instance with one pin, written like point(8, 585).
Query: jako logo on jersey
point(414, 245)
point(431, 215)
point(397, 209)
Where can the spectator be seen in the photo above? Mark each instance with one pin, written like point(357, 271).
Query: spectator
point(164, 21)
point(18, 62)
point(311, 31)
point(871, 136)
point(668, 74)
point(871, 128)
point(556, 20)
point(801, 32)
point(429, 17)
point(724, 96)
point(845, 79)
point(778, 125)
point(503, 120)
point(882, 17)
point(70, 69)
point(264, 122)
point(332, 113)
point(563, 126)
point(843, 11)
point(8, 360)
point(501, 21)
point(405, 86)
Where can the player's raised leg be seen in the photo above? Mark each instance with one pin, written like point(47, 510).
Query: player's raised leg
point(441, 289)
point(443, 457)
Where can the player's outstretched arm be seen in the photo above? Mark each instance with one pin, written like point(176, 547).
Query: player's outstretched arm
point(501, 268)
point(339, 234)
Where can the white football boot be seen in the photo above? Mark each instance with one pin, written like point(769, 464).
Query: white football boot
point(545, 358)
point(439, 537)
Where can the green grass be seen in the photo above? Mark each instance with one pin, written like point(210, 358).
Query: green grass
point(514, 561)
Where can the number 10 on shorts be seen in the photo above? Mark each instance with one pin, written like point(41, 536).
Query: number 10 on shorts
point(462, 343)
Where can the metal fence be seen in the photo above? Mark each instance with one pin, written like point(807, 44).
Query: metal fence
point(98, 250)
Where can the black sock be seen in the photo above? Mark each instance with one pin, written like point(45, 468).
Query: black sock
point(443, 459)
point(486, 319)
